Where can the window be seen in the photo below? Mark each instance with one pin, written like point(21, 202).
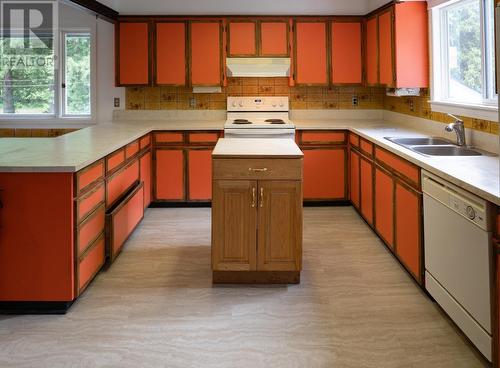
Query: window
point(31, 87)
point(464, 53)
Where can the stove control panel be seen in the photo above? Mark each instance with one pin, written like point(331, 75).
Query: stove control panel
point(266, 103)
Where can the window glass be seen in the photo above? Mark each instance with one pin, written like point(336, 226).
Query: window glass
point(77, 74)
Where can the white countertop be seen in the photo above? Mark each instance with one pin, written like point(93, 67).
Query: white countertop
point(74, 151)
point(253, 148)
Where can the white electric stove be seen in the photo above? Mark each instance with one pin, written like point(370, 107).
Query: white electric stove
point(258, 117)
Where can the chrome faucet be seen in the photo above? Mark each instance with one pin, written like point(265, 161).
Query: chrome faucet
point(458, 127)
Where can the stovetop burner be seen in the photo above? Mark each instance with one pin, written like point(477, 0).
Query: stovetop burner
point(275, 121)
point(241, 121)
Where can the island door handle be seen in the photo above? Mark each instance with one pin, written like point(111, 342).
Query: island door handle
point(263, 169)
point(261, 197)
point(254, 197)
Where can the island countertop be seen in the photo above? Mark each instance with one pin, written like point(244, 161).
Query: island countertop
point(256, 148)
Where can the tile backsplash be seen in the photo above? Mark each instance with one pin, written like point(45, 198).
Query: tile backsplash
point(33, 133)
point(301, 98)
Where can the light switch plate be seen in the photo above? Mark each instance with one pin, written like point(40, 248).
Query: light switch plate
point(117, 102)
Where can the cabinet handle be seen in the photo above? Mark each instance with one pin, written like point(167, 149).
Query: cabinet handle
point(264, 169)
point(254, 197)
point(261, 197)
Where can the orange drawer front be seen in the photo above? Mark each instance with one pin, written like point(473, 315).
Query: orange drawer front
point(89, 202)
point(401, 166)
point(145, 141)
point(122, 221)
point(131, 149)
point(121, 181)
point(323, 137)
point(88, 176)
point(366, 147)
point(90, 229)
point(91, 263)
point(115, 159)
point(354, 139)
point(203, 137)
point(169, 137)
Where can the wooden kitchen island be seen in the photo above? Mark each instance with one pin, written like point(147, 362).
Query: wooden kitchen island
point(257, 211)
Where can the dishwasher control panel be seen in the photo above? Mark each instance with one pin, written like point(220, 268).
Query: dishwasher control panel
point(472, 211)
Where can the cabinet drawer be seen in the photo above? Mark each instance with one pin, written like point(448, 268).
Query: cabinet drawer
point(90, 229)
point(354, 140)
point(90, 201)
point(122, 221)
point(323, 137)
point(118, 184)
point(115, 159)
point(366, 147)
point(145, 141)
point(164, 137)
point(203, 137)
point(91, 262)
point(399, 165)
point(258, 169)
point(131, 149)
point(86, 177)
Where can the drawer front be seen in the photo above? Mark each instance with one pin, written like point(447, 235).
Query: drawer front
point(145, 141)
point(121, 182)
point(366, 147)
point(90, 229)
point(402, 167)
point(323, 137)
point(169, 137)
point(354, 140)
point(131, 149)
point(88, 176)
point(203, 137)
point(123, 220)
point(258, 169)
point(91, 263)
point(90, 201)
point(115, 159)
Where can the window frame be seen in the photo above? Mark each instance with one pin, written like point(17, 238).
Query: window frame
point(59, 117)
point(487, 108)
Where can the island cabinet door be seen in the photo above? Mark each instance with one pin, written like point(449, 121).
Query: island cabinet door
point(200, 174)
point(324, 173)
point(234, 225)
point(408, 226)
point(280, 226)
point(169, 174)
point(384, 205)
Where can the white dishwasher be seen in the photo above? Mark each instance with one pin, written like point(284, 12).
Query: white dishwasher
point(458, 257)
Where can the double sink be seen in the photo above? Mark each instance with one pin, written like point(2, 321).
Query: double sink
point(434, 146)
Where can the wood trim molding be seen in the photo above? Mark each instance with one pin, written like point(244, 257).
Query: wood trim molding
point(101, 10)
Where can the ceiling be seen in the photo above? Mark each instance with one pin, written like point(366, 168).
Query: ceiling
point(244, 7)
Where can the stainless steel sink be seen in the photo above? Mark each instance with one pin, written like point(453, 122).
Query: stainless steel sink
point(420, 141)
point(445, 151)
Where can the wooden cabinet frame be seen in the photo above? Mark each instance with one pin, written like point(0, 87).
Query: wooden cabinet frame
point(228, 36)
point(277, 20)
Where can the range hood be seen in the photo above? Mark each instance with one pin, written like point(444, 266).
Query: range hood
point(258, 67)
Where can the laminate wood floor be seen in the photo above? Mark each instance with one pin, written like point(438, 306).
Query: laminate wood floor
point(156, 307)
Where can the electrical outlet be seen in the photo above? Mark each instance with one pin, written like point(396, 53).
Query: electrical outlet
point(354, 100)
point(411, 104)
point(192, 102)
point(117, 102)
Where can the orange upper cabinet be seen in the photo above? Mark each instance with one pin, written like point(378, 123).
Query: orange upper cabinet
point(206, 53)
point(133, 54)
point(170, 60)
point(274, 38)
point(346, 53)
point(372, 51)
point(311, 53)
point(242, 38)
point(385, 35)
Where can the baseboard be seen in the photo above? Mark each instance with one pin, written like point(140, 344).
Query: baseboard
point(35, 307)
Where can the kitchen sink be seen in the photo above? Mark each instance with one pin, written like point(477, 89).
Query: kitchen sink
point(445, 151)
point(420, 141)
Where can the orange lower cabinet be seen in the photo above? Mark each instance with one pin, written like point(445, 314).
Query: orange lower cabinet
point(354, 178)
point(324, 173)
point(384, 205)
point(169, 173)
point(90, 263)
point(200, 174)
point(366, 179)
point(145, 162)
point(408, 228)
